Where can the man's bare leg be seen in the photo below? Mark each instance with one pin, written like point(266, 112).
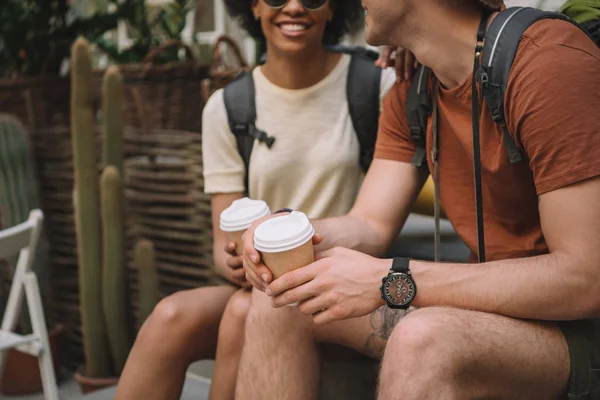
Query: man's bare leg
point(182, 328)
point(441, 353)
point(229, 346)
point(280, 359)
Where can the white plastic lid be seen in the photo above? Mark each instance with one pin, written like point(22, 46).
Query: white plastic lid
point(283, 233)
point(242, 213)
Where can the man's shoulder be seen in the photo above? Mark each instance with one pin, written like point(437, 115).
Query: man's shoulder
point(551, 37)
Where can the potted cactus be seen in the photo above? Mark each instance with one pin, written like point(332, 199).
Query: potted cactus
point(107, 328)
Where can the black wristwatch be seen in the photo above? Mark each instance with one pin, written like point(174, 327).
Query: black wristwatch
point(283, 210)
point(398, 288)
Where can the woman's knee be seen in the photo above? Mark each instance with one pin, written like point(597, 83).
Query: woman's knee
point(166, 323)
point(238, 307)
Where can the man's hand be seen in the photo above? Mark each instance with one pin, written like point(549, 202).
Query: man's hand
point(341, 284)
point(257, 273)
point(404, 62)
point(233, 271)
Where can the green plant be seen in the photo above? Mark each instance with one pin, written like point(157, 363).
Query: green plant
point(145, 263)
point(148, 31)
point(18, 196)
point(112, 106)
point(36, 35)
point(114, 282)
point(87, 214)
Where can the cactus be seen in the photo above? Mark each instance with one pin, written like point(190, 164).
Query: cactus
point(87, 214)
point(19, 194)
point(112, 97)
point(113, 267)
point(148, 278)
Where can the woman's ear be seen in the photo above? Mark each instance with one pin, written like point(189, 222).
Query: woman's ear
point(255, 9)
point(331, 11)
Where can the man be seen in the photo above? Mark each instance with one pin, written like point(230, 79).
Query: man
point(521, 325)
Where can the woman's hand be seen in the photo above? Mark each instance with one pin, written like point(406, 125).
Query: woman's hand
point(403, 61)
point(232, 270)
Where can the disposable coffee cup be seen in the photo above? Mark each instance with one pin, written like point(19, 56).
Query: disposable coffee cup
point(285, 243)
point(239, 216)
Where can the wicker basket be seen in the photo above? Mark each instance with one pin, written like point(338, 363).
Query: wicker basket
point(36, 101)
point(220, 73)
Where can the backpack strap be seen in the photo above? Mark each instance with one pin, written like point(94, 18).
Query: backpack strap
point(240, 103)
point(363, 92)
point(501, 43)
point(418, 110)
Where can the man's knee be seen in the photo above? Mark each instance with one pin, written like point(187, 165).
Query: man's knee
point(423, 351)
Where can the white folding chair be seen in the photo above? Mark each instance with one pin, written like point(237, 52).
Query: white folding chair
point(23, 239)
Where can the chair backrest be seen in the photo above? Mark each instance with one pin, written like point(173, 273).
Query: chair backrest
point(23, 239)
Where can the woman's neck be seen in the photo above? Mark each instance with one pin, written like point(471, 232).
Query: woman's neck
point(302, 71)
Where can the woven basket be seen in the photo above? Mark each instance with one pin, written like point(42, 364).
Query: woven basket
point(36, 101)
point(220, 73)
point(167, 205)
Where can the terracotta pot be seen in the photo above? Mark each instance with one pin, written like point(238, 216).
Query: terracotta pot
point(22, 372)
point(88, 385)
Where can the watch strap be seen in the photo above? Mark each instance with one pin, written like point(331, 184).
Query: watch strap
point(283, 210)
point(400, 264)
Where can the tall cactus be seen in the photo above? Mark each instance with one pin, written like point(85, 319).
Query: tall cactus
point(148, 277)
point(19, 195)
point(113, 267)
point(87, 214)
point(112, 98)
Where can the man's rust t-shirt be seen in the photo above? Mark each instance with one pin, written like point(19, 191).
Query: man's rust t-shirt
point(553, 111)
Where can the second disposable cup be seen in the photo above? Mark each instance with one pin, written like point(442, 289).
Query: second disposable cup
point(285, 243)
point(239, 216)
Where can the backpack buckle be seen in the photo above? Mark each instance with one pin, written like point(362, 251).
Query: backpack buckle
point(498, 115)
point(415, 133)
point(261, 136)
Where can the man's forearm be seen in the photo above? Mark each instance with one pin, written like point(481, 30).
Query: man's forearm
point(549, 287)
point(351, 232)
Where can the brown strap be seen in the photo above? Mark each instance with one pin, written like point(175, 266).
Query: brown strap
point(436, 173)
point(218, 56)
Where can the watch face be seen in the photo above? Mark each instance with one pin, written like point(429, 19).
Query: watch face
point(399, 289)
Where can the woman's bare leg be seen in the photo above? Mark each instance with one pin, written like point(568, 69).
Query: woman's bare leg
point(182, 328)
point(229, 346)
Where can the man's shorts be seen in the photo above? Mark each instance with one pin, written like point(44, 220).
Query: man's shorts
point(583, 338)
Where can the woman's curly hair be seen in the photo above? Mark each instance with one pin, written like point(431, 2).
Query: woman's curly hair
point(346, 18)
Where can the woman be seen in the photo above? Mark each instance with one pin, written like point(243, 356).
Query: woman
point(301, 101)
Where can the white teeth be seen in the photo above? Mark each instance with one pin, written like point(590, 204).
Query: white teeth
point(293, 27)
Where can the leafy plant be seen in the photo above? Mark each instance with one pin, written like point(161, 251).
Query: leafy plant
point(148, 30)
point(36, 35)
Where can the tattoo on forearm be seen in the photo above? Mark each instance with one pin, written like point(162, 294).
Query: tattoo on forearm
point(383, 322)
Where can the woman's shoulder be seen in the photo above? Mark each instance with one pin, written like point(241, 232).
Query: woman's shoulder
point(215, 103)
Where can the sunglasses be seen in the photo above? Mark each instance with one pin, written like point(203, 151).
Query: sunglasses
point(311, 5)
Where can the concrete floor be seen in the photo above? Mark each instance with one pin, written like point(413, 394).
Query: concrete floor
point(196, 387)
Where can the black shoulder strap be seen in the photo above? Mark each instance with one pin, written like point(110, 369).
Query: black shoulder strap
point(418, 110)
point(501, 43)
point(363, 92)
point(240, 103)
